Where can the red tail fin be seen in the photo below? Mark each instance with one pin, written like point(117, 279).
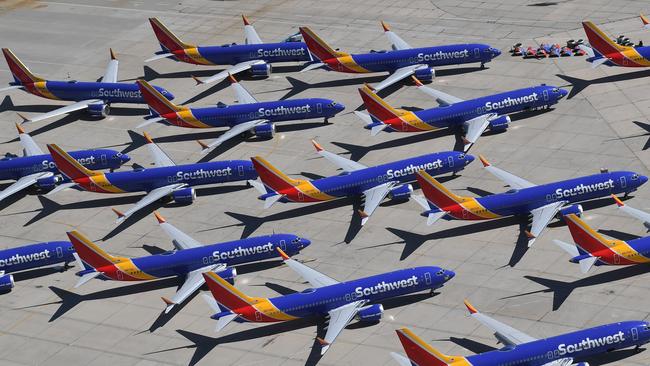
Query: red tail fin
point(225, 293)
point(586, 237)
point(167, 39)
point(20, 72)
point(155, 100)
point(318, 47)
point(271, 176)
point(68, 165)
point(89, 252)
point(422, 354)
point(435, 192)
point(600, 41)
point(376, 106)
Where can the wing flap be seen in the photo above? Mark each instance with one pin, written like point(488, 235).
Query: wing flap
point(342, 163)
point(242, 66)
point(542, 216)
point(150, 198)
point(193, 281)
point(315, 278)
point(339, 319)
point(23, 183)
point(374, 196)
point(398, 75)
point(508, 178)
point(232, 132)
point(63, 110)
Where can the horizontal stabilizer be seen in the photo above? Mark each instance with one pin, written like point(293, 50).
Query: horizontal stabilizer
point(258, 186)
point(223, 321)
point(87, 277)
point(375, 130)
point(403, 361)
point(11, 88)
point(313, 66)
point(435, 216)
point(269, 201)
point(569, 248)
point(587, 263)
point(158, 57)
point(364, 117)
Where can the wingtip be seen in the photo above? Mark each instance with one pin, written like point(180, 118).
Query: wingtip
point(485, 162)
point(197, 80)
point(245, 19)
point(232, 79)
point(317, 146)
point(385, 26)
point(20, 129)
point(529, 235)
point(322, 342)
point(113, 57)
point(470, 307)
point(147, 138)
point(369, 87)
point(283, 254)
point(204, 146)
point(167, 301)
point(618, 201)
point(416, 81)
point(161, 220)
point(119, 213)
point(363, 214)
point(25, 119)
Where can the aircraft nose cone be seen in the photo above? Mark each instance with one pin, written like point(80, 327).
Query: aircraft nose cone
point(563, 93)
point(449, 275)
point(305, 242)
point(643, 179)
point(125, 158)
point(495, 52)
point(339, 107)
point(469, 159)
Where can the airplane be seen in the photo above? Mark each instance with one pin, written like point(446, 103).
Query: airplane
point(340, 301)
point(254, 56)
point(474, 115)
point(95, 97)
point(32, 256)
point(634, 212)
point(591, 248)
point(603, 50)
point(401, 62)
point(543, 201)
point(166, 179)
point(249, 115)
point(188, 260)
point(373, 183)
point(35, 168)
point(520, 348)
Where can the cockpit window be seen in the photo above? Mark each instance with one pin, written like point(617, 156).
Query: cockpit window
point(332, 104)
point(440, 272)
point(556, 90)
point(295, 241)
point(635, 176)
point(461, 156)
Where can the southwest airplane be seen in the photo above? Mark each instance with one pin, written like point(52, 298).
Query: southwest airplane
point(255, 55)
point(402, 62)
point(543, 202)
point(475, 115)
point(373, 183)
point(189, 260)
point(164, 180)
point(340, 301)
point(37, 168)
point(248, 115)
point(522, 349)
point(605, 51)
point(30, 257)
point(95, 97)
point(591, 248)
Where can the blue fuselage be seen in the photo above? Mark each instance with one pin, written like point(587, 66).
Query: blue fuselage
point(82, 90)
point(36, 255)
point(235, 53)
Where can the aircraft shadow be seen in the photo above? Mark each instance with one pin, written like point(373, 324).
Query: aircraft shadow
point(38, 272)
point(471, 345)
point(578, 85)
point(645, 127)
point(562, 290)
point(618, 234)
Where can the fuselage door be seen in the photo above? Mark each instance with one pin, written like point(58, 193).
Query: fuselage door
point(635, 334)
point(283, 245)
point(427, 278)
point(301, 196)
point(477, 53)
point(103, 157)
point(450, 160)
point(319, 108)
point(258, 316)
point(240, 170)
point(545, 93)
point(617, 259)
point(59, 252)
point(623, 182)
point(120, 275)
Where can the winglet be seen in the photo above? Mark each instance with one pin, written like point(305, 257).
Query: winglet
point(232, 79)
point(161, 220)
point(147, 138)
point(529, 234)
point(322, 341)
point(369, 86)
point(618, 201)
point(246, 22)
point(20, 129)
point(167, 301)
point(198, 81)
point(317, 146)
point(113, 57)
point(363, 214)
point(283, 254)
point(485, 162)
point(416, 81)
point(118, 213)
point(470, 307)
point(203, 144)
point(385, 26)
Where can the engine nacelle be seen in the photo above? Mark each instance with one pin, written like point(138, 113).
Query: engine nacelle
point(573, 209)
point(581, 364)
point(401, 192)
point(425, 74)
point(262, 70)
point(265, 131)
point(6, 282)
point(499, 124)
point(228, 274)
point(99, 109)
point(48, 183)
point(371, 313)
point(185, 195)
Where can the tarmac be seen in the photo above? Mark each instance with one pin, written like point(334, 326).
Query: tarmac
point(45, 321)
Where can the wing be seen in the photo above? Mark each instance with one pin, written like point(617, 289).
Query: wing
point(251, 34)
point(542, 216)
point(339, 319)
point(232, 132)
point(160, 158)
point(398, 75)
point(150, 198)
point(508, 178)
point(561, 362)
point(440, 97)
point(28, 144)
point(475, 128)
point(397, 42)
point(315, 278)
point(505, 334)
point(374, 196)
point(23, 183)
point(342, 163)
point(110, 75)
point(193, 281)
point(12, 87)
point(180, 239)
point(634, 212)
point(242, 66)
point(243, 96)
point(63, 110)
